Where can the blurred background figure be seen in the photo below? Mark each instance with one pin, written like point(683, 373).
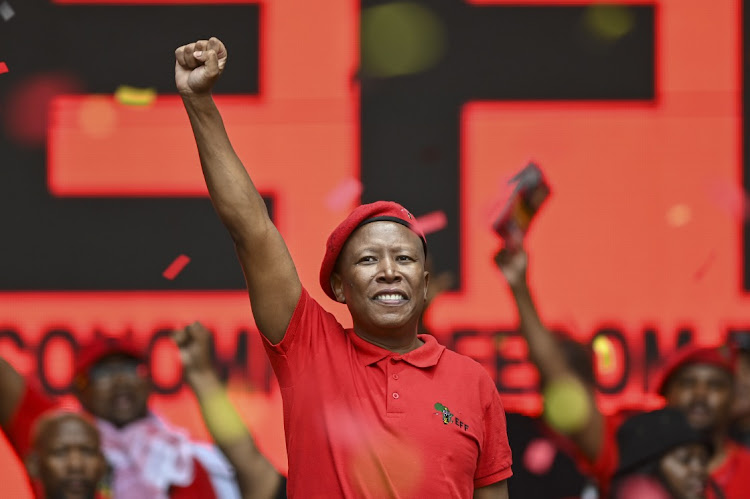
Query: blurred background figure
point(64, 459)
point(256, 476)
point(696, 380)
point(662, 456)
point(740, 429)
point(700, 382)
point(566, 373)
point(149, 458)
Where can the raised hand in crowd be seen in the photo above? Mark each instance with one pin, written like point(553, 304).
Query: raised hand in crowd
point(256, 477)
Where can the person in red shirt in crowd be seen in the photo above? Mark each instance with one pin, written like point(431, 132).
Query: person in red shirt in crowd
point(700, 381)
point(149, 457)
point(697, 380)
point(65, 460)
point(372, 411)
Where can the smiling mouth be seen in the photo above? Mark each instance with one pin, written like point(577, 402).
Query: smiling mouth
point(390, 298)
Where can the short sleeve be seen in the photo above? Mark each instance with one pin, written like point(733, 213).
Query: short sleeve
point(311, 329)
point(32, 406)
point(495, 457)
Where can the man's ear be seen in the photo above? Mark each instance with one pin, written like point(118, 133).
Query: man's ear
point(337, 285)
point(31, 463)
point(426, 284)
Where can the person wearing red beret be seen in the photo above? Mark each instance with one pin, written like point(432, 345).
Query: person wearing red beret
point(699, 380)
point(370, 411)
point(148, 456)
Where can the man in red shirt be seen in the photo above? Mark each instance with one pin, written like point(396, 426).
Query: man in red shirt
point(373, 411)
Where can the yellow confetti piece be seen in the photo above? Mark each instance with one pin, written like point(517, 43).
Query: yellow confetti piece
point(679, 215)
point(608, 21)
point(97, 116)
point(132, 96)
point(400, 38)
point(605, 352)
point(566, 405)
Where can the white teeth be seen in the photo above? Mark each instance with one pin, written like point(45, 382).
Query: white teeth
point(389, 297)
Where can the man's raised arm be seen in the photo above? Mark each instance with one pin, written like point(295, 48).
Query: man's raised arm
point(546, 353)
point(272, 280)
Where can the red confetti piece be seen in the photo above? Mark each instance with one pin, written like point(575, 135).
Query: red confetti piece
point(3, 68)
point(176, 267)
point(344, 194)
point(705, 266)
point(432, 222)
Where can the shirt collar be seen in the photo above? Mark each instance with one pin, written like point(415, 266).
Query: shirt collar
point(425, 356)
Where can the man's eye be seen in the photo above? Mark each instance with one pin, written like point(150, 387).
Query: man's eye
point(367, 259)
point(405, 258)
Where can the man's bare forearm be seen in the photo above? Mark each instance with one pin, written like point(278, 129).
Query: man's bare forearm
point(544, 350)
point(234, 196)
point(12, 386)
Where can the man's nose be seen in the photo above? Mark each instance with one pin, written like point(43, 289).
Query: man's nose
point(389, 270)
point(75, 460)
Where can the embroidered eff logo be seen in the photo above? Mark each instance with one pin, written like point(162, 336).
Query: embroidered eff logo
point(447, 414)
point(449, 417)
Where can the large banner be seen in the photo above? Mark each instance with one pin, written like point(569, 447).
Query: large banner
point(639, 249)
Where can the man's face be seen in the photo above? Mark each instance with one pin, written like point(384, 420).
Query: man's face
point(117, 390)
point(705, 393)
point(70, 462)
point(381, 277)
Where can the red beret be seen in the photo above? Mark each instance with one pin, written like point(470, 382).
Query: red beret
point(719, 356)
point(379, 211)
point(99, 348)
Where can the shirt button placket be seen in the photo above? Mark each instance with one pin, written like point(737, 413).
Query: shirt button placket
point(394, 397)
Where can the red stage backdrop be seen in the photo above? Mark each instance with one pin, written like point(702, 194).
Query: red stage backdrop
point(641, 242)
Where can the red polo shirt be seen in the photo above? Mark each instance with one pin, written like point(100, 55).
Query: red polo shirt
point(733, 476)
point(361, 421)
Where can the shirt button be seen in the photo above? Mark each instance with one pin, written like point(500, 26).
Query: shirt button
point(395, 376)
point(395, 395)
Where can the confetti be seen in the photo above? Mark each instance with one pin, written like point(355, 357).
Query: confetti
point(679, 215)
point(132, 96)
point(705, 266)
point(566, 405)
point(432, 222)
point(3, 68)
point(400, 38)
point(539, 456)
point(605, 352)
point(6, 11)
point(642, 487)
point(176, 267)
point(609, 22)
point(729, 198)
point(97, 116)
point(344, 194)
